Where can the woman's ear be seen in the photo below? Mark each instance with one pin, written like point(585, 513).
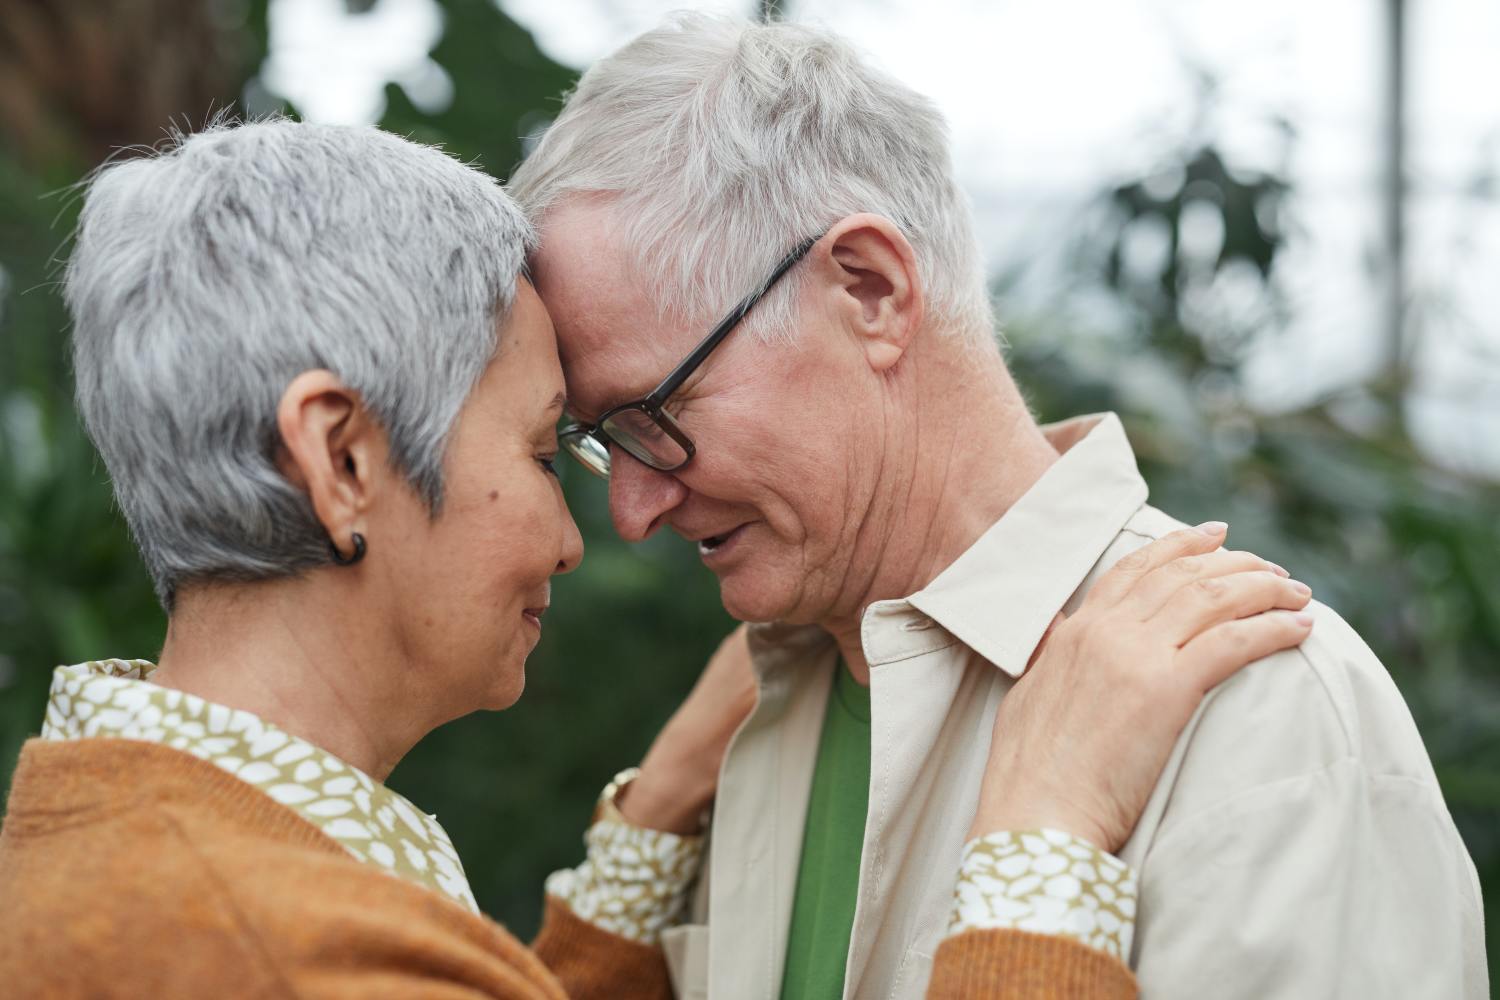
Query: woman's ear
point(879, 291)
point(330, 448)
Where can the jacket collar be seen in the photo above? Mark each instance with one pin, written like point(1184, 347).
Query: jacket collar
point(1000, 596)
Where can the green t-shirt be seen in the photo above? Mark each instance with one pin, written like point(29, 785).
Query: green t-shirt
point(828, 875)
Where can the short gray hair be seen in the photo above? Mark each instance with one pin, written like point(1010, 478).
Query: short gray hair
point(723, 143)
point(204, 279)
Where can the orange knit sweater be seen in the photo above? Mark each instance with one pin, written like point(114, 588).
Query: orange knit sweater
point(129, 869)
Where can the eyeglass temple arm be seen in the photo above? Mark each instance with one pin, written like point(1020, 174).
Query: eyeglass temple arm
point(689, 364)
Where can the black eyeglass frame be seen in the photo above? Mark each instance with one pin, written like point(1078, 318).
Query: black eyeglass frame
point(651, 404)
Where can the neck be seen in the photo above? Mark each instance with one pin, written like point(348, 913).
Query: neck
point(958, 448)
point(286, 651)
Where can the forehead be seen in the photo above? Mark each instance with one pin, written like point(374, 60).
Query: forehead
point(525, 370)
point(613, 342)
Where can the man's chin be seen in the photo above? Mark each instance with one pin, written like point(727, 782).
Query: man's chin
point(753, 601)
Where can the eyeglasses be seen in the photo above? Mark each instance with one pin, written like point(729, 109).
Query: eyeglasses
point(642, 428)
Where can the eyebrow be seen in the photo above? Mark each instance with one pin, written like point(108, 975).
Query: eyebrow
point(635, 397)
point(559, 402)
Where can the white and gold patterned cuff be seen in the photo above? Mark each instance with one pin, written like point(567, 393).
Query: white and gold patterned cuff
point(1047, 882)
point(633, 881)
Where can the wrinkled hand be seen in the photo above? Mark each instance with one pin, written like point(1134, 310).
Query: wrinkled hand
point(1081, 740)
point(680, 774)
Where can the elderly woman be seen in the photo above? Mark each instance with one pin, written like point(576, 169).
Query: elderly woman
point(326, 396)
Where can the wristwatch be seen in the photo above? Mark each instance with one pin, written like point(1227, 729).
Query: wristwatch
point(606, 807)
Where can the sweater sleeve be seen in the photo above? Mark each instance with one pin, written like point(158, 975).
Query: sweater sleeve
point(601, 929)
point(591, 962)
point(1020, 965)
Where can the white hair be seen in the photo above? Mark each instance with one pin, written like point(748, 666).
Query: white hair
point(206, 278)
point(722, 144)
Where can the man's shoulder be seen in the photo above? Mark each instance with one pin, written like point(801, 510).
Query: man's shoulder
point(1328, 703)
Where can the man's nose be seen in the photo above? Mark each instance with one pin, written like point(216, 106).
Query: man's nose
point(639, 496)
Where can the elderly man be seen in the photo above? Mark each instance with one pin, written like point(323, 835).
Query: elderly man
point(853, 461)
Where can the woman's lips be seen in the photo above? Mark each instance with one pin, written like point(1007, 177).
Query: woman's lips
point(534, 616)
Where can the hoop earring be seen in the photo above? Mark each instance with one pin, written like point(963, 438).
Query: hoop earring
point(359, 551)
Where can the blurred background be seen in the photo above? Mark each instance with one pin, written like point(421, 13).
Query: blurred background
point(1268, 235)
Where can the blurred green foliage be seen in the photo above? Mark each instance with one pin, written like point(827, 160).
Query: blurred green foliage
point(1336, 491)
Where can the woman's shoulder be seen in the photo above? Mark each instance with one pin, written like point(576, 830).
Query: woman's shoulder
point(101, 870)
point(131, 859)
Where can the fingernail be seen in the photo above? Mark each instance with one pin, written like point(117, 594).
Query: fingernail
point(1213, 527)
point(1303, 618)
point(1280, 571)
point(1301, 588)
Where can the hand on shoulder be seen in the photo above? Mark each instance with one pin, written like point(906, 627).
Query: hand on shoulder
point(1081, 740)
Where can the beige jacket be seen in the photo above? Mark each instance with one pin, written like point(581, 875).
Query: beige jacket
point(1297, 845)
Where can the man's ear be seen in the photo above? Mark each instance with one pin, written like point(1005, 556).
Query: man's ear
point(880, 297)
point(331, 449)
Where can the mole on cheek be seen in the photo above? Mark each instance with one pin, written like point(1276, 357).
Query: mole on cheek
point(494, 494)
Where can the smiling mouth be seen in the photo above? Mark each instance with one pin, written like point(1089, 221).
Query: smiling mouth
point(707, 547)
